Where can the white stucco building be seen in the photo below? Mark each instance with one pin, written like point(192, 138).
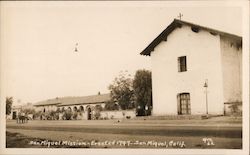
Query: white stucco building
point(184, 57)
point(82, 104)
point(85, 106)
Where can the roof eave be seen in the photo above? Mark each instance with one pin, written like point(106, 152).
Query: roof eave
point(178, 23)
point(46, 104)
point(81, 103)
point(161, 37)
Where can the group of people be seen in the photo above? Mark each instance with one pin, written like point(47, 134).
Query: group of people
point(22, 118)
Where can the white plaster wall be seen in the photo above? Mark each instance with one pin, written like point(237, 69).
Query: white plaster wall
point(38, 108)
point(118, 114)
point(47, 108)
point(232, 70)
point(203, 62)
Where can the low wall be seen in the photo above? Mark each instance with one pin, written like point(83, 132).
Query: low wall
point(117, 114)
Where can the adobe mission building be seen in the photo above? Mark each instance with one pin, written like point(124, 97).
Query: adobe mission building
point(195, 70)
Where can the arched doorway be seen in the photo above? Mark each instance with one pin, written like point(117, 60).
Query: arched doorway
point(69, 109)
point(89, 113)
point(75, 109)
point(81, 108)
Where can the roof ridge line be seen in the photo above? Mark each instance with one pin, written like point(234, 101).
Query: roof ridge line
point(178, 23)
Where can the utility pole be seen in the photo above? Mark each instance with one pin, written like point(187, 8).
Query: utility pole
point(206, 86)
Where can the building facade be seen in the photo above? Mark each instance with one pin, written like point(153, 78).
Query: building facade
point(195, 70)
point(16, 110)
point(86, 107)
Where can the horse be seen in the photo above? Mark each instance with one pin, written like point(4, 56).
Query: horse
point(22, 119)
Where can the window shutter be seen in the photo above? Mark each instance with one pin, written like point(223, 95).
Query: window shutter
point(184, 63)
point(179, 64)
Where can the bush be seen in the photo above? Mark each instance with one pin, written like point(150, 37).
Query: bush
point(67, 115)
point(57, 116)
point(52, 115)
point(128, 117)
point(235, 109)
point(97, 114)
point(75, 114)
point(37, 115)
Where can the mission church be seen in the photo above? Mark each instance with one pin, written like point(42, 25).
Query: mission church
point(195, 70)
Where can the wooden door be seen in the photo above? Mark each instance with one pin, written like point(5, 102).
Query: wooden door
point(184, 104)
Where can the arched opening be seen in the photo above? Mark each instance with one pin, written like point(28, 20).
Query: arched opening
point(81, 109)
point(75, 109)
point(89, 113)
point(69, 109)
point(44, 110)
point(183, 104)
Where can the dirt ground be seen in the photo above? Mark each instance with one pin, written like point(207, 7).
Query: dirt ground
point(220, 132)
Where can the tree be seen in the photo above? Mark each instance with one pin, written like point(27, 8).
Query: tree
point(28, 111)
point(142, 86)
point(111, 106)
point(122, 91)
point(9, 101)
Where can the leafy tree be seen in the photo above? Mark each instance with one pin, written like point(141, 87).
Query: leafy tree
point(142, 86)
point(122, 91)
point(29, 111)
point(9, 101)
point(111, 106)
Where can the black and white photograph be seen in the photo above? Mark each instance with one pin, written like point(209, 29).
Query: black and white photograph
point(148, 76)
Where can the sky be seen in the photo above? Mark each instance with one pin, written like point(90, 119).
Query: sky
point(38, 39)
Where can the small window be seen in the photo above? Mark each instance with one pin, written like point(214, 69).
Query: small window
point(182, 64)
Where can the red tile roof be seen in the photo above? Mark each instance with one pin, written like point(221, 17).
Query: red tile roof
point(103, 98)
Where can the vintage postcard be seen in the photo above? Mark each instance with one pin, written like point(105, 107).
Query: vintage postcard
point(124, 77)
